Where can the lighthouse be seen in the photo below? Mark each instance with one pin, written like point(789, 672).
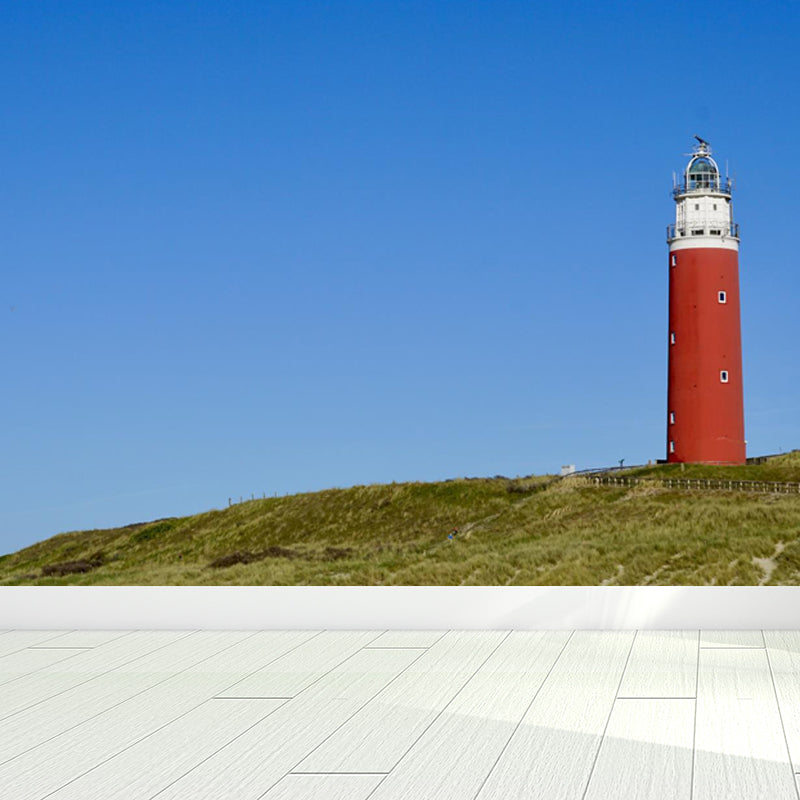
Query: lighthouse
point(705, 409)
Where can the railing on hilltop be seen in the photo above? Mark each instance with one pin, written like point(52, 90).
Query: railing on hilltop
point(598, 470)
point(707, 484)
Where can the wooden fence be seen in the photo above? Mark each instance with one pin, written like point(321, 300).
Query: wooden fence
point(701, 484)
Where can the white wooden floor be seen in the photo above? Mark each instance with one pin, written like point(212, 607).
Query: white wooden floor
point(298, 715)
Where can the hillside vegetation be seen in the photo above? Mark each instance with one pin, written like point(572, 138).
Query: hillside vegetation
point(536, 530)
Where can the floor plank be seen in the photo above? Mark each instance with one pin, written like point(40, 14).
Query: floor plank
point(158, 760)
point(731, 639)
point(127, 704)
point(662, 664)
point(324, 787)
point(257, 760)
point(376, 738)
point(82, 704)
point(13, 641)
point(565, 723)
point(740, 749)
point(646, 752)
point(783, 649)
point(396, 715)
point(407, 639)
point(289, 676)
point(26, 662)
point(453, 757)
point(86, 638)
point(85, 667)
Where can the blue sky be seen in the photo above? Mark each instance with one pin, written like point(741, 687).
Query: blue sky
point(274, 247)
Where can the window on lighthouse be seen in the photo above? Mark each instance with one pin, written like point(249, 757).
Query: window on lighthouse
point(723, 298)
point(671, 417)
point(723, 376)
point(672, 447)
point(672, 337)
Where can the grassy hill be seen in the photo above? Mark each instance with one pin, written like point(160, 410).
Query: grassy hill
point(535, 530)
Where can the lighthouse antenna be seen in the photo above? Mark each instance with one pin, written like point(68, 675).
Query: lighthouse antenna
point(702, 148)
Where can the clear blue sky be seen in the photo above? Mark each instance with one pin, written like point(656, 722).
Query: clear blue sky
point(272, 247)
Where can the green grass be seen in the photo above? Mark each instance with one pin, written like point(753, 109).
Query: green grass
point(536, 530)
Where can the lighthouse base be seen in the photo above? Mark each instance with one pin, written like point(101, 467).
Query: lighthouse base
point(732, 453)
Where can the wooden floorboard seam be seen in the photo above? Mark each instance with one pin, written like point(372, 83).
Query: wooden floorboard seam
point(412, 647)
point(316, 680)
point(167, 723)
point(422, 733)
point(95, 676)
point(289, 772)
point(200, 701)
point(658, 697)
point(608, 719)
point(744, 639)
point(121, 634)
point(218, 696)
point(34, 671)
point(740, 749)
point(170, 676)
point(433, 720)
point(27, 647)
point(133, 744)
point(260, 697)
point(694, 726)
point(522, 717)
point(333, 773)
point(780, 716)
point(293, 771)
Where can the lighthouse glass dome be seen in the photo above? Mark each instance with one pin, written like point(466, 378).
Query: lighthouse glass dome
point(702, 174)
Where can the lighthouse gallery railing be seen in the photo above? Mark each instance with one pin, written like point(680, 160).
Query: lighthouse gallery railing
point(674, 232)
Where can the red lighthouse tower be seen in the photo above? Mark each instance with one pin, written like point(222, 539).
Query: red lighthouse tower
point(705, 410)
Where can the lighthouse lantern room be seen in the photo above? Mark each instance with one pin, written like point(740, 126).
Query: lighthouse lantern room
point(705, 412)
